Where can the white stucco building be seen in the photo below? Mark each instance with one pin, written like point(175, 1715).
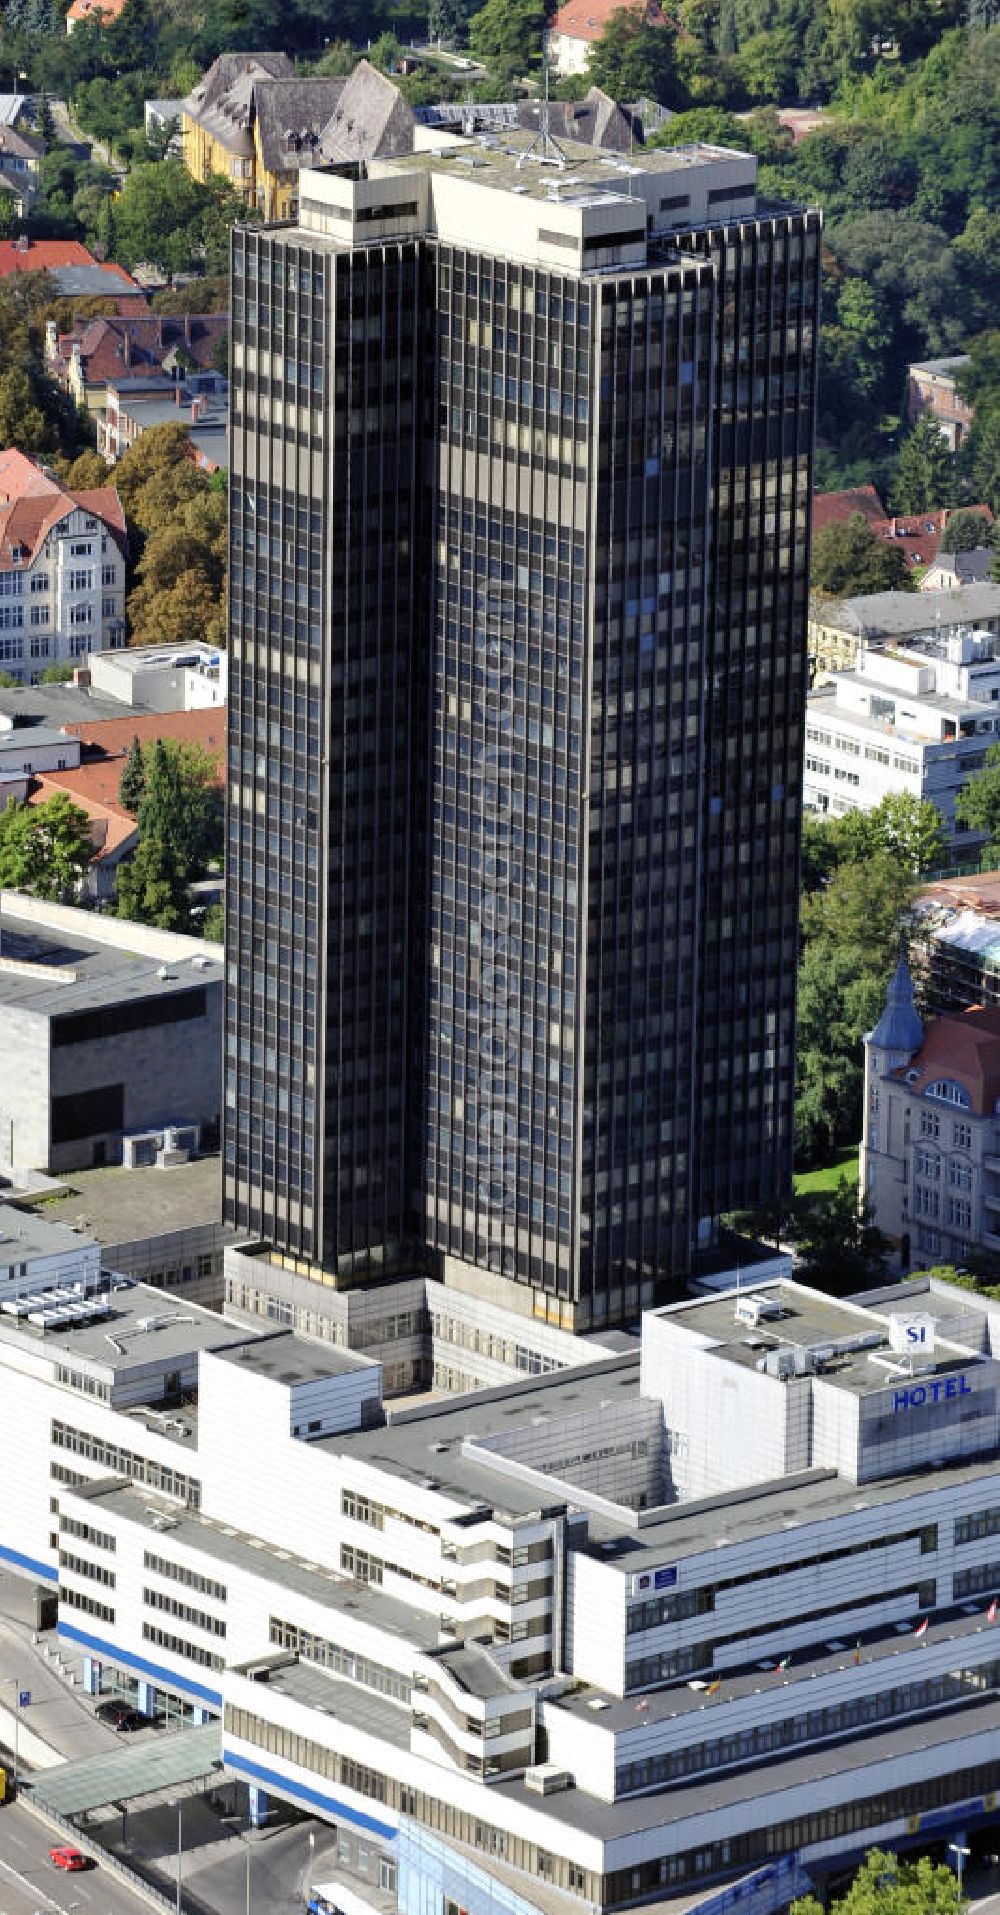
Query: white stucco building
point(699, 1622)
point(62, 569)
point(918, 719)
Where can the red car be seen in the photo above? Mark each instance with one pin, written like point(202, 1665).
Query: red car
point(69, 1859)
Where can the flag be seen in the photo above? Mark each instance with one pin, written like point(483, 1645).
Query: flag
point(991, 1613)
point(857, 1655)
point(921, 1628)
point(783, 1664)
point(714, 1687)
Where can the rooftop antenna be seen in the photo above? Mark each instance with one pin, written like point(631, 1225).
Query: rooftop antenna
point(543, 142)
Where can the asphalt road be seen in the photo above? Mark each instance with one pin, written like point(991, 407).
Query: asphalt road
point(29, 1885)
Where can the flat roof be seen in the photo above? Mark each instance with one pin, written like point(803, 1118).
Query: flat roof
point(121, 1206)
point(222, 1543)
point(143, 1326)
point(960, 1623)
point(513, 157)
point(809, 1321)
point(287, 1358)
point(425, 1446)
point(71, 971)
point(130, 1771)
point(754, 1783)
point(317, 1688)
point(60, 705)
point(25, 1234)
point(744, 1515)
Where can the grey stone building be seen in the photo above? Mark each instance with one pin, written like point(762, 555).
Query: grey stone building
point(108, 1031)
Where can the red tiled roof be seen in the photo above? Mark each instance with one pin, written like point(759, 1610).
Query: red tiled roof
point(587, 19)
point(107, 10)
point(32, 501)
point(112, 828)
point(964, 1047)
point(20, 476)
point(918, 533)
point(112, 737)
point(124, 347)
point(836, 508)
point(48, 255)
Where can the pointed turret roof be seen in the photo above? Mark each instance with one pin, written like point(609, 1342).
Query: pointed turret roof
point(899, 1028)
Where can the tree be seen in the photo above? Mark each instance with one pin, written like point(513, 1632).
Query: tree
point(151, 889)
point(507, 34)
point(908, 829)
point(851, 916)
point(182, 804)
point(925, 472)
point(46, 848)
point(58, 674)
point(886, 1885)
point(635, 55)
point(848, 557)
point(965, 532)
point(840, 1250)
point(132, 783)
point(977, 805)
point(158, 217)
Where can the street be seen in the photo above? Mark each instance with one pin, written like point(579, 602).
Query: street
point(30, 1885)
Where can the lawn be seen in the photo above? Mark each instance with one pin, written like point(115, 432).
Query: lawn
point(813, 1183)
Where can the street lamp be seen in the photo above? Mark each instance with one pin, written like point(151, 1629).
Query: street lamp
point(177, 1806)
point(955, 1848)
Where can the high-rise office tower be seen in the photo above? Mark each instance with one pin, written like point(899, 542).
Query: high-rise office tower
point(521, 459)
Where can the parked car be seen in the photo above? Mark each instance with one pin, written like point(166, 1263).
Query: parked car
point(69, 1858)
point(122, 1714)
point(114, 1710)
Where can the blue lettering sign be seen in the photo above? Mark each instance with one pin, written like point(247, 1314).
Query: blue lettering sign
point(665, 1578)
point(935, 1392)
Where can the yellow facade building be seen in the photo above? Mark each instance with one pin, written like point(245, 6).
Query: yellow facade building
point(254, 122)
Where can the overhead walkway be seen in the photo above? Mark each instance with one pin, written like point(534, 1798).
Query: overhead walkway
point(158, 1765)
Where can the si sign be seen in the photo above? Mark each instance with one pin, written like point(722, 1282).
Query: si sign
point(936, 1392)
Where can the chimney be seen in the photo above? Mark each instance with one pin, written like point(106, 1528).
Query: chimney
point(127, 344)
point(178, 393)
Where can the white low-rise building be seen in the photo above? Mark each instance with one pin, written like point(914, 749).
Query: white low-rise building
point(716, 1613)
point(161, 677)
point(917, 720)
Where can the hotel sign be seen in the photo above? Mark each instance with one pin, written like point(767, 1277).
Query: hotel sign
point(935, 1391)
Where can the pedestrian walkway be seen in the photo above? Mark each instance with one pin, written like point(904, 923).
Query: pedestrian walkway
point(57, 1723)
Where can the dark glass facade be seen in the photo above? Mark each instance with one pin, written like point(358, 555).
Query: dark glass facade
point(518, 575)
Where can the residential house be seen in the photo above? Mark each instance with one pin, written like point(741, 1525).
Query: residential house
point(932, 387)
point(593, 121)
point(579, 24)
point(62, 568)
point(201, 403)
point(74, 272)
point(95, 752)
point(21, 151)
point(916, 534)
point(253, 120)
point(930, 1155)
point(952, 570)
point(96, 353)
point(917, 720)
point(101, 13)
